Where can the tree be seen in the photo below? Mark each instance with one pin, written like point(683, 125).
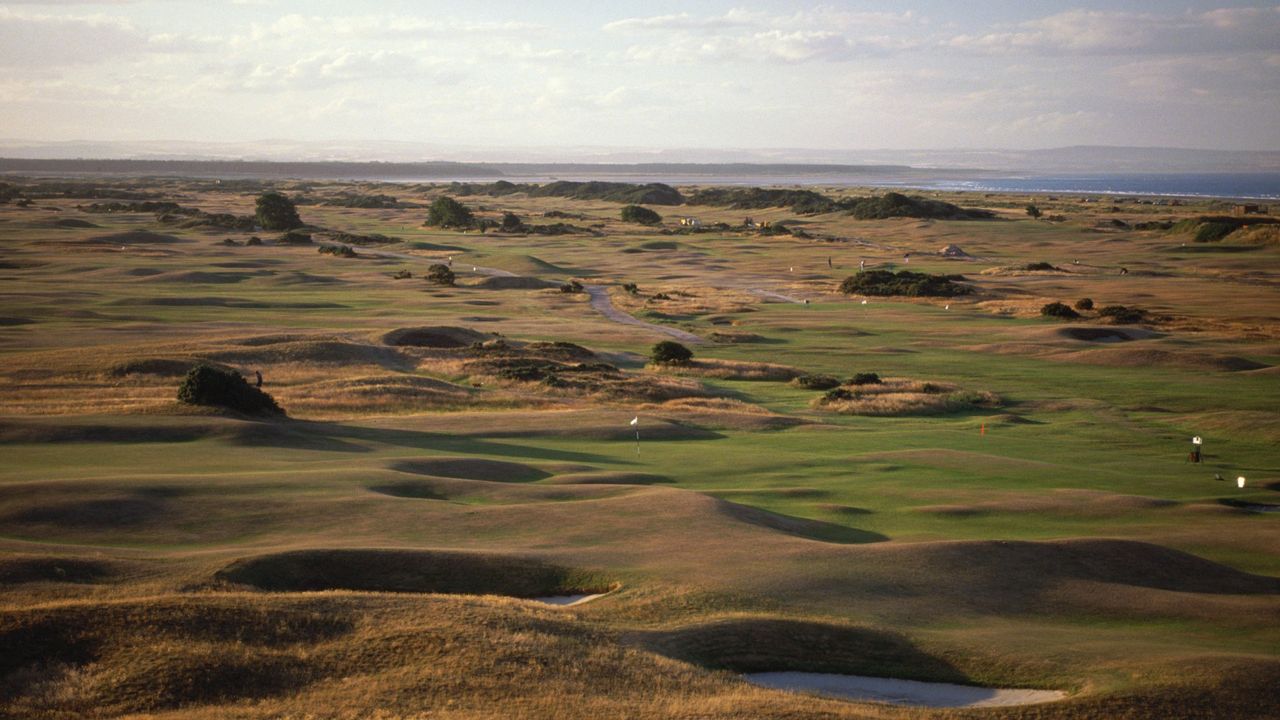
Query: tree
point(641, 215)
point(208, 385)
point(440, 274)
point(668, 352)
point(277, 212)
point(1033, 211)
point(511, 223)
point(446, 212)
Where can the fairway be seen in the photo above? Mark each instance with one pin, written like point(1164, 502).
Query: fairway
point(456, 516)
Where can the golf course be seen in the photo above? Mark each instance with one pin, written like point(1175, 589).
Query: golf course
point(839, 452)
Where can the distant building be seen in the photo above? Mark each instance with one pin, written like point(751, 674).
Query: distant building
point(1243, 209)
point(691, 222)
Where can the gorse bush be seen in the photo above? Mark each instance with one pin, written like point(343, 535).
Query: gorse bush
point(641, 215)
point(1122, 315)
point(445, 212)
point(1084, 304)
point(440, 274)
point(816, 382)
point(913, 284)
point(276, 212)
point(207, 385)
point(866, 378)
point(669, 352)
point(1059, 310)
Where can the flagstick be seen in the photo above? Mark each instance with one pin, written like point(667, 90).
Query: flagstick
point(637, 440)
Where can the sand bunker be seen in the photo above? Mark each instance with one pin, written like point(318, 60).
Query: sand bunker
point(901, 692)
point(568, 600)
point(413, 571)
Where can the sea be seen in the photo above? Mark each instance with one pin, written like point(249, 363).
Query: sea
point(1246, 186)
point(1242, 186)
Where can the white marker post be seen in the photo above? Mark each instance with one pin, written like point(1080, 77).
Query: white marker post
point(635, 423)
point(1240, 482)
point(1196, 442)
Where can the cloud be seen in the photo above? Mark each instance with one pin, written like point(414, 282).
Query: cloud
point(1099, 32)
point(43, 41)
point(323, 70)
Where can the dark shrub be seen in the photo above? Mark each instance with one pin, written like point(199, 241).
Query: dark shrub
point(1121, 315)
point(816, 382)
point(641, 215)
point(1040, 266)
point(446, 212)
point(886, 282)
point(295, 237)
point(668, 352)
point(277, 212)
point(205, 385)
point(511, 223)
point(1033, 211)
point(573, 286)
point(631, 288)
point(865, 379)
point(440, 274)
point(402, 275)
point(337, 251)
point(1084, 304)
point(838, 394)
point(255, 240)
point(1059, 310)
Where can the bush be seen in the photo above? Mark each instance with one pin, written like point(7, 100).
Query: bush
point(869, 378)
point(511, 223)
point(631, 288)
point(255, 240)
point(1033, 211)
point(573, 286)
point(641, 215)
point(402, 275)
point(277, 212)
point(206, 385)
point(1040, 266)
point(446, 212)
point(1122, 315)
point(440, 274)
point(893, 205)
point(1084, 304)
point(816, 382)
point(837, 394)
point(1059, 310)
point(337, 251)
point(295, 237)
point(886, 282)
point(668, 352)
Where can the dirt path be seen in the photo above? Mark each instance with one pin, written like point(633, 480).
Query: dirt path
point(901, 692)
point(602, 304)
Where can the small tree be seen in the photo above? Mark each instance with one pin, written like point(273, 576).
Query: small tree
point(440, 274)
point(511, 223)
point(641, 215)
point(1034, 211)
point(1084, 304)
point(446, 212)
point(277, 212)
point(669, 352)
point(207, 385)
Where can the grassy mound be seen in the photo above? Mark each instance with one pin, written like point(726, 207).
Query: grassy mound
point(902, 396)
point(418, 571)
point(891, 205)
point(506, 282)
point(434, 337)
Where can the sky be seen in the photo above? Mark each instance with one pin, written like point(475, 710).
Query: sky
point(487, 73)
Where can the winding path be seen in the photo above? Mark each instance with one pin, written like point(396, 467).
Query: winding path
point(602, 304)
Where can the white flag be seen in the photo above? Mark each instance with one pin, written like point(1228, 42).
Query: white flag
point(635, 420)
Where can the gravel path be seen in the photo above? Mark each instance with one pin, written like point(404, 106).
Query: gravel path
point(901, 692)
point(602, 304)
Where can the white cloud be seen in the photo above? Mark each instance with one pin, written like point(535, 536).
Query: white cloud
point(1098, 32)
